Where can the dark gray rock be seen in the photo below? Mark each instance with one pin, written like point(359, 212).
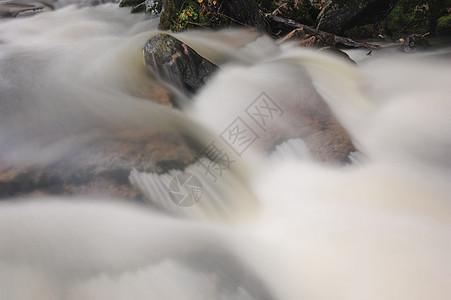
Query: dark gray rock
point(336, 16)
point(414, 42)
point(177, 64)
point(17, 8)
point(26, 8)
point(338, 53)
point(242, 12)
point(296, 10)
point(102, 166)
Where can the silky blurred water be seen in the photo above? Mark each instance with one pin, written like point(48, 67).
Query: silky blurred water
point(375, 229)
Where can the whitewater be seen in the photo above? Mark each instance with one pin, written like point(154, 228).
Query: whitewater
point(278, 224)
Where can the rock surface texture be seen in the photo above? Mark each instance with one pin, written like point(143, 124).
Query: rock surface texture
point(176, 63)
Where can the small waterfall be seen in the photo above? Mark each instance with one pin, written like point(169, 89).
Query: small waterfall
point(275, 223)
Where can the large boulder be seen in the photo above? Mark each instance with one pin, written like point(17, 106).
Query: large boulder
point(176, 63)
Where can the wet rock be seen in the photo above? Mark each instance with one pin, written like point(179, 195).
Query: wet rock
point(309, 118)
point(338, 53)
point(414, 42)
point(130, 3)
point(17, 8)
point(102, 166)
point(25, 8)
point(176, 63)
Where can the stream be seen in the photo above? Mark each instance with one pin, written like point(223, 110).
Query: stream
point(274, 224)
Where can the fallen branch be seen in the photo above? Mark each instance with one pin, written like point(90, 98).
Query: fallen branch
point(280, 27)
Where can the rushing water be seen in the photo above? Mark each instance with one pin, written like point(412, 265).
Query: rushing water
point(376, 229)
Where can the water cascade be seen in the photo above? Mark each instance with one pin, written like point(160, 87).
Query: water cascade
point(277, 223)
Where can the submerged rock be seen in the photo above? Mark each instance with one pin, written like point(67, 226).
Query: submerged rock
point(102, 166)
point(176, 63)
point(26, 8)
point(308, 117)
point(17, 8)
point(338, 53)
point(414, 42)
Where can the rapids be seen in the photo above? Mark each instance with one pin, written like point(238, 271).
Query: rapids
point(276, 226)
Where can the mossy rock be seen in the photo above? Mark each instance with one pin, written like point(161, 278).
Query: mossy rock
point(444, 26)
point(363, 32)
point(182, 14)
point(412, 17)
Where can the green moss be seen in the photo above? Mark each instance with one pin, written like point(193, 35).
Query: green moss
point(165, 21)
point(362, 32)
point(169, 16)
point(139, 8)
point(412, 17)
point(184, 14)
point(444, 25)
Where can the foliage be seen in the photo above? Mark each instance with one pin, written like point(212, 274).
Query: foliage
point(363, 32)
point(203, 13)
point(444, 25)
point(192, 13)
point(412, 16)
